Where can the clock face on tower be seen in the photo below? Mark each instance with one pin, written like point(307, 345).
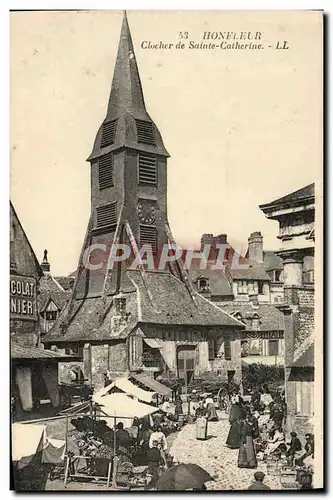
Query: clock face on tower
point(146, 211)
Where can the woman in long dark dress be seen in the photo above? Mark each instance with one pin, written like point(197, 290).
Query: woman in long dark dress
point(247, 455)
point(235, 419)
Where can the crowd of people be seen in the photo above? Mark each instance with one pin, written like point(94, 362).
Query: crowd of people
point(257, 431)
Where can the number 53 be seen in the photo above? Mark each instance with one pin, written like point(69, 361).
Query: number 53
point(183, 35)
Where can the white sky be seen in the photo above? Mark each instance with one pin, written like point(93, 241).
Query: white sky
point(242, 128)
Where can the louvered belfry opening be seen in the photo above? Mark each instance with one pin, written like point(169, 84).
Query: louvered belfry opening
point(105, 171)
point(145, 132)
point(107, 215)
point(108, 133)
point(147, 169)
point(148, 236)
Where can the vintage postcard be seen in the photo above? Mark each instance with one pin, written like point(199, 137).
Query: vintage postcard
point(165, 277)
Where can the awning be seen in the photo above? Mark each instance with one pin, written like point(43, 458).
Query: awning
point(126, 386)
point(123, 408)
point(263, 360)
point(153, 343)
point(152, 384)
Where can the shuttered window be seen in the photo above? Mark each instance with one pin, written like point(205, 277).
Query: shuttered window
point(227, 349)
point(148, 236)
point(107, 215)
point(105, 171)
point(145, 132)
point(108, 133)
point(211, 349)
point(147, 169)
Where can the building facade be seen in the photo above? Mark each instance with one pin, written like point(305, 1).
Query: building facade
point(248, 289)
point(147, 318)
point(34, 371)
point(295, 213)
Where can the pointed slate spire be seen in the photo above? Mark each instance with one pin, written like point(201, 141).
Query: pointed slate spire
point(126, 106)
point(126, 90)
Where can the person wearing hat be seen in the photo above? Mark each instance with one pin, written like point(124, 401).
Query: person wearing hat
point(258, 483)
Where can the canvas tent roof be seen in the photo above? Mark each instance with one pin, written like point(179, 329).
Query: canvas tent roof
point(126, 386)
point(120, 407)
point(23, 447)
point(154, 385)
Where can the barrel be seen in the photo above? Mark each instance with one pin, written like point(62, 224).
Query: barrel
point(201, 428)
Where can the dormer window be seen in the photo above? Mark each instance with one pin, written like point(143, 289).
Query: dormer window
point(255, 322)
point(203, 285)
point(145, 132)
point(277, 276)
point(120, 305)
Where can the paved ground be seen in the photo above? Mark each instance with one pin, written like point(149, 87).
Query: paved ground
point(217, 459)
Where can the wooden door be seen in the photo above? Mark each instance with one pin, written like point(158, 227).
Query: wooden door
point(186, 363)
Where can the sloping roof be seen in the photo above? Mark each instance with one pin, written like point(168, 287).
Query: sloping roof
point(174, 306)
point(306, 359)
point(271, 318)
point(18, 351)
point(126, 103)
point(272, 261)
point(50, 289)
point(19, 247)
point(151, 383)
point(254, 271)
point(218, 281)
point(65, 281)
point(300, 194)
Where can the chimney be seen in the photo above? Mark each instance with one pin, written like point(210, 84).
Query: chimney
point(221, 239)
point(207, 239)
point(45, 264)
point(255, 250)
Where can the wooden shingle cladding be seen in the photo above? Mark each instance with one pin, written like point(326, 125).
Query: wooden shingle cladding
point(106, 215)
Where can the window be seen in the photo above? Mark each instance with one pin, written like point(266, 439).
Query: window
point(203, 285)
point(244, 348)
point(147, 169)
point(304, 398)
point(108, 133)
point(260, 287)
point(273, 348)
point(105, 171)
point(145, 132)
point(227, 349)
point(255, 323)
point(107, 215)
point(51, 315)
point(241, 287)
point(148, 236)
point(211, 349)
point(308, 277)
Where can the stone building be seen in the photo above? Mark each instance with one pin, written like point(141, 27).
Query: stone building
point(295, 213)
point(34, 371)
point(147, 318)
point(248, 292)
